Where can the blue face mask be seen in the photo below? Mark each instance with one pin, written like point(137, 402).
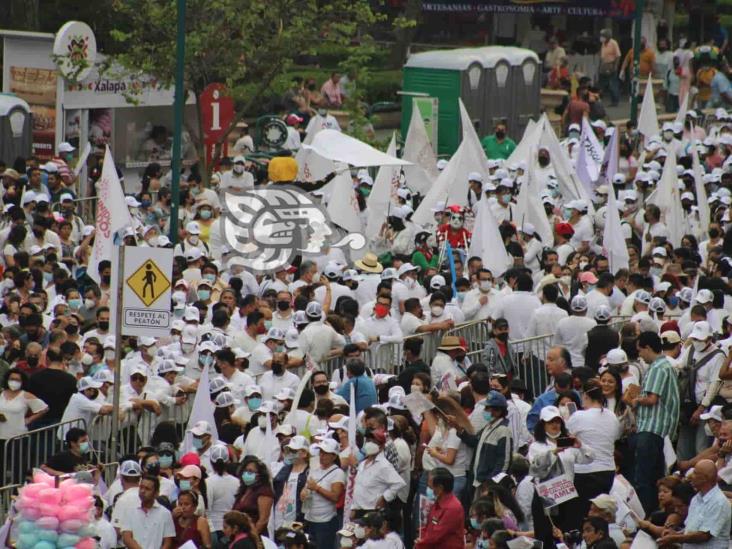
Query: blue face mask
point(361, 429)
point(203, 295)
point(288, 460)
point(166, 462)
point(47, 277)
point(474, 523)
point(84, 447)
point(487, 416)
point(254, 403)
point(197, 443)
point(206, 360)
point(210, 277)
point(184, 485)
point(430, 494)
point(74, 303)
point(248, 477)
point(205, 214)
point(145, 203)
point(360, 455)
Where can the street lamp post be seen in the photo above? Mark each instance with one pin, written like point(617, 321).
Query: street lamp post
point(178, 124)
point(635, 86)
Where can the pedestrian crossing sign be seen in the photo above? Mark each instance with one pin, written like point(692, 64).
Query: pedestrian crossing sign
point(148, 282)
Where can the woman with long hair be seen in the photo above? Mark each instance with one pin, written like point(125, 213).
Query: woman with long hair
point(547, 461)
point(597, 428)
point(221, 488)
point(240, 531)
point(188, 525)
point(255, 495)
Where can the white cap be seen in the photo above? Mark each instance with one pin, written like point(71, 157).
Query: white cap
point(437, 281)
point(405, 268)
point(715, 412)
point(252, 390)
point(579, 303)
point(147, 341)
point(549, 413)
point(603, 313)
point(130, 468)
point(329, 445)
point(65, 197)
point(662, 286)
point(285, 429)
point(598, 124)
point(366, 179)
point(506, 182)
point(131, 202)
point(88, 383)
point(475, 176)
point(668, 126)
point(403, 193)
point(169, 366)
point(340, 424)
point(28, 197)
point(275, 333)
point(192, 227)
point(441, 164)
point(298, 442)
point(687, 196)
point(704, 297)
point(701, 331)
point(313, 310)
point(193, 254)
point(224, 400)
point(200, 428)
point(616, 356)
point(389, 273)
point(659, 250)
point(333, 270)
point(643, 297)
point(528, 229)
point(217, 384)
point(286, 393)
point(65, 147)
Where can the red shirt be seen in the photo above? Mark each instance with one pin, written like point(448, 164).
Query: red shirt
point(444, 525)
point(459, 238)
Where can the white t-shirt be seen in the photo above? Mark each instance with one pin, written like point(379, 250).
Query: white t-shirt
point(598, 429)
point(321, 509)
point(285, 510)
point(447, 441)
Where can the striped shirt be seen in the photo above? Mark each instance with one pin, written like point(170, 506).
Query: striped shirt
point(662, 418)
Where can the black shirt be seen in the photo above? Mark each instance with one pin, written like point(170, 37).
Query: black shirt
point(54, 387)
point(405, 377)
point(67, 462)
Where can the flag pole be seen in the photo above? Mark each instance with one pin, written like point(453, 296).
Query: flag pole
point(119, 316)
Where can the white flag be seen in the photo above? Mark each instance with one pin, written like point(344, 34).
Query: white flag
point(613, 242)
point(380, 199)
point(418, 150)
point(668, 199)
point(352, 420)
point(343, 206)
point(684, 107)
point(112, 215)
point(487, 243)
point(470, 136)
point(587, 164)
point(529, 139)
point(701, 192)
point(529, 208)
point(311, 166)
point(202, 410)
point(648, 119)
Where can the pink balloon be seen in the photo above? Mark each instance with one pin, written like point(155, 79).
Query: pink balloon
point(86, 543)
point(49, 509)
point(47, 523)
point(50, 495)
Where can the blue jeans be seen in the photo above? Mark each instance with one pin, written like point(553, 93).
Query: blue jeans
point(649, 467)
point(323, 534)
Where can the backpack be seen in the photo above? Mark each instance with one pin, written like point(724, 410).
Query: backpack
point(687, 380)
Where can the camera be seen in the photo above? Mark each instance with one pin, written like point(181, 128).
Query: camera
point(573, 537)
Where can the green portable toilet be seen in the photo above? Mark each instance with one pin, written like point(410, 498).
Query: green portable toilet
point(484, 78)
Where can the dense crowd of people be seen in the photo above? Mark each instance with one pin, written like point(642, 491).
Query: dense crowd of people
point(314, 442)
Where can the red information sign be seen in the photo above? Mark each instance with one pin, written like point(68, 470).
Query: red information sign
point(217, 112)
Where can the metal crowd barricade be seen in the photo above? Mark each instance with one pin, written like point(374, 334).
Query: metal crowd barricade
point(476, 334)
point(32, 449)
point(529, 356)
point(6, 499)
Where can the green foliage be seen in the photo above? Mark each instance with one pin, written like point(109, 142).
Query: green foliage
point(249, 45)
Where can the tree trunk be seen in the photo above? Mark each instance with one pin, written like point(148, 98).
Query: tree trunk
point(21, 15)
point(404, 36)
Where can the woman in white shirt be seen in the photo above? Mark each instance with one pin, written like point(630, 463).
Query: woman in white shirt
point(221, 488)
point(598, 428)
point(320, 496)
point(546, 461)
point(445, 449)
point(18, 408)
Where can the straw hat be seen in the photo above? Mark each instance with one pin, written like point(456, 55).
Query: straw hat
point(369, 264)
point(450, 343)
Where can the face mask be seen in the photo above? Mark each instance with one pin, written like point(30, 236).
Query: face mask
point(32, 361)
point(415, 389)
point(283, 305)
point(166, 462)
point(187, 348)
point(210, 277)
point(14, 385)
point(461, 297)
point(238, 169)
point(500, 134)
point(365, 191)
point(430, 494)
point(410, 282)
point(197, 443)
point(288, 460)
point(205, 214)
point(668, 136)
point(74, 303)
point(316, 278)
point(321, 390)
point(84, 447)
point(89, 303)
point(381, 310)
point(371, 448)
point(278, 369)
point(543, 161)
point(474, 523)
point(184, 484)
point(486, 285)
point(103, 325)
point(47, 277)
point(502, 337)
point(71, 329)
point(699, 346)
point(359, 532)
point(506, 198)
point(566, 280)
point(193, 239)
point(553, 436)
point(346, 542)
point(656, 271)
point(262, 422)
point(248, 477)
point(488, 416)
point(204, 295)
point(437, 310)
point(254, 403)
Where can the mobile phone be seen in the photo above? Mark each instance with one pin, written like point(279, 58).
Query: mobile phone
point(571, 408)
point(565, 442)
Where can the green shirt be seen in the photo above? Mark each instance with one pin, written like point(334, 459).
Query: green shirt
point(493, 149)
point(662, 418)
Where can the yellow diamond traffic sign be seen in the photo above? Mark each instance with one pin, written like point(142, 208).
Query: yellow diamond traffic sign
point(148, 282)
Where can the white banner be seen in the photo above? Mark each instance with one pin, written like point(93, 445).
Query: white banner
point(380, 199)
point(334, 145)
point(487, 243)
point(418, 150)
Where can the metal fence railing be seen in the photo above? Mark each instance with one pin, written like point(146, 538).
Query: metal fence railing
point(22, 453)
point(529, 356)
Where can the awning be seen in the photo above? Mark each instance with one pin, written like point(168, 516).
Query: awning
point(621, 9)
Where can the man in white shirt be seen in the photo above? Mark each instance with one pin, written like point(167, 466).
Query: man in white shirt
point(653, 227)
point(405, 287)
point(381, 327)
point(334, 273)
point(292, 143)
point(478, 301)
point(448, 369)
point(317, 339)
point(237, 380)
point(238, 179)
point(83, 405)
point(600, 295)
point(262, 354)
point(582, 225)
point(544, 320)
point(414, 321)
point(278, 378)
point(518, 306)
point(571, 332)
point(148, 525)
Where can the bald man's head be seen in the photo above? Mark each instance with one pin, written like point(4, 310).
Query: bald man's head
point(704, 477)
